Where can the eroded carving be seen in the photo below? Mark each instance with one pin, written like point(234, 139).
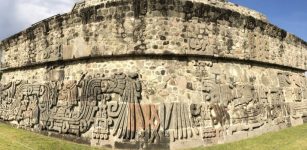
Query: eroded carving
point(110, 108)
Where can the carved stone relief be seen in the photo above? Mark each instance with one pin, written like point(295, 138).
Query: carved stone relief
point(110, 108)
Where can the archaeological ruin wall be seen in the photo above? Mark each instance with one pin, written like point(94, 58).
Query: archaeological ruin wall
point(148, 74)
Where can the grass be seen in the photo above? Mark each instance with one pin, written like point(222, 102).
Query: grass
point(287, 139)
point(17, 139)
point(294, 138)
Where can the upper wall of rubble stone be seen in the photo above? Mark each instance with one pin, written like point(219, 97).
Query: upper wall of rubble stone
point(214, 29)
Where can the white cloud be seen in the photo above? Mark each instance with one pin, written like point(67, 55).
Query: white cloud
point(17, 15)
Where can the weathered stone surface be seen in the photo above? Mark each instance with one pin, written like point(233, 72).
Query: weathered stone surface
point(154, 74)
point(205, 28)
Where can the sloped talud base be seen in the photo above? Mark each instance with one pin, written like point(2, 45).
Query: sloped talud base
point(149, 103)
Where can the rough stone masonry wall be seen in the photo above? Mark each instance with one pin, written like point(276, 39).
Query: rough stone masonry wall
point(153, 74)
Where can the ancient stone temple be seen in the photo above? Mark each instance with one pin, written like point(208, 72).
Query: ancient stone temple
point(154, 74)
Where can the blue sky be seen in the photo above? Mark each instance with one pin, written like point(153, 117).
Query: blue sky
point(290, 15)
point(17, 15)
